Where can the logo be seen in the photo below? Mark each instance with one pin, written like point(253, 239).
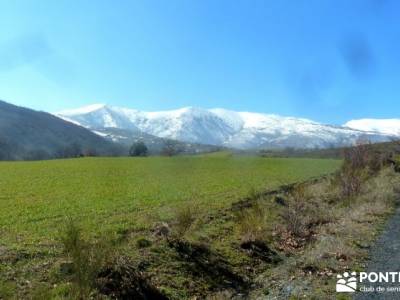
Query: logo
point(347, 283)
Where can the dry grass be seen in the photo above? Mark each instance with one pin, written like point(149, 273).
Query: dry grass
point(360, 163)
point(295, 215)
point(306, 208)
point(85, 259)
point(185, 218)
point(356, 220)
point(252, 224)
point(341, 232)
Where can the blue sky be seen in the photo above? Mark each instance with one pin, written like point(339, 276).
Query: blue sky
point(330, 61)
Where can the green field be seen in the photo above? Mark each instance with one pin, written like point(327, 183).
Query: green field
point(111, 194)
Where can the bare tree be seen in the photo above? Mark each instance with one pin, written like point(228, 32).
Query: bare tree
point(171, 148)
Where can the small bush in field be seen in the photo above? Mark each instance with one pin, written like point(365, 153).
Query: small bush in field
point(143, 243)
point(87, 259)
point(351, 181)
point(359, 162)
point(307, 207)
point(397, 165)
point(185, 217)
point(294, 219)
point(138, 149)
point(295, 215)
point(251, 223)
point(119, 279)
point(253, 193)
point(357, 157)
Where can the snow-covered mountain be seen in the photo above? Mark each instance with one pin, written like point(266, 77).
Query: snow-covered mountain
point(243, 130)
point(385, 126)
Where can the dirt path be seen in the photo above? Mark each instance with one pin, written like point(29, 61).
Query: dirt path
point(385, 257)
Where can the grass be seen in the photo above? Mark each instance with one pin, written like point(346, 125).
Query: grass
point(342, 232)
point(85, 259)
point(113, 194)
point(60, 219)
point(117, 203)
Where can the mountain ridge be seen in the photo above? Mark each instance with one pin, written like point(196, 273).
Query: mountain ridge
point(222, 127)
point(387, 126)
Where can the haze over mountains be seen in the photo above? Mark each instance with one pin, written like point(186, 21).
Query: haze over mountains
point(221, 127)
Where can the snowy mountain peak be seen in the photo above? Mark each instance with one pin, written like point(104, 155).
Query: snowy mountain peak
point(188, 111)
point(385, 126)
point(221, 127)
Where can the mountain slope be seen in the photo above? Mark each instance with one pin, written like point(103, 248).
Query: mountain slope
point(29, 134)
point(242, 130)
point(385, 126)
point(154, 144)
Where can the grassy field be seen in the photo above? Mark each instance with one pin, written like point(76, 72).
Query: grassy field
point(223, 236)
point(122, 200)
point(109, 194)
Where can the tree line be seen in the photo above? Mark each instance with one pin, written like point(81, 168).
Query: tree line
point(170, 148)
point(10, 151)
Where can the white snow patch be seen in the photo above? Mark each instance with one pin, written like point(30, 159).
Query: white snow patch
point(386, 126)
point(100, 133)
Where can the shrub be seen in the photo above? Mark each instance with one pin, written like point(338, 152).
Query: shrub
point(119, 279)
point(351, 180)
point(90, 152)
point(86, 258)
point(143, 243)
point(171, 148)
point(252, 223)
point(358, 161)
point(138, 149)
point(397, 165)
point(357, 157)
point(295, 214)
point(185, 217)
point(253, 193)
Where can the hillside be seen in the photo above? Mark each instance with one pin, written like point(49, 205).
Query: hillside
point(155, 145)
point(29, 134)
point(393, 147)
